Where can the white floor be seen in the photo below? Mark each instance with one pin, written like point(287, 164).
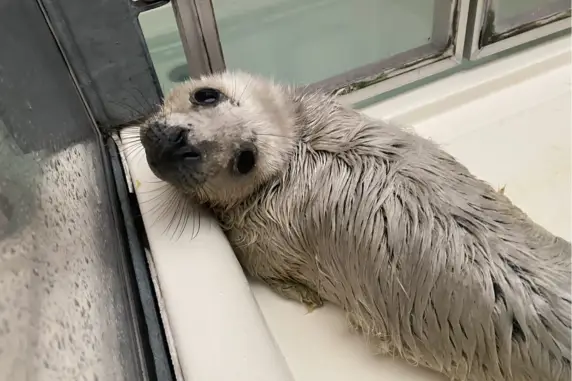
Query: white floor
point(515, 133)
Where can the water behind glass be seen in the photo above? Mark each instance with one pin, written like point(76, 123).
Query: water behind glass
point(64, 312)
point(306, 41)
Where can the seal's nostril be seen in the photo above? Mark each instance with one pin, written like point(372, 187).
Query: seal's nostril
point(169, 146)
point(177, 136)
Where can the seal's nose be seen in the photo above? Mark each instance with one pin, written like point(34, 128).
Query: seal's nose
point(168, 145)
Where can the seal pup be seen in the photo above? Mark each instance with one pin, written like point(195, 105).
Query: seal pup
point(322, 203)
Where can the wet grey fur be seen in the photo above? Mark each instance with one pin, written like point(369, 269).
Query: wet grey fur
point(429, 262)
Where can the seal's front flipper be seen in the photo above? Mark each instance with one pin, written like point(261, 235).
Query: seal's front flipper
point(297, 292)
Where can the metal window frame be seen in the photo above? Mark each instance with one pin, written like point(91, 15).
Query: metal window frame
point(199, 36)
point(532, 28)
point(198, 29)
point(103, 43)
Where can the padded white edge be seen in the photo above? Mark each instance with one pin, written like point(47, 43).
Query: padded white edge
point(219, 333)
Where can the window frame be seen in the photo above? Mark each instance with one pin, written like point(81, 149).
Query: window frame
point(529, 30)
point(199, 34)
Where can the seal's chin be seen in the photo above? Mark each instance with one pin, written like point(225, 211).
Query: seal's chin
point(180, 177)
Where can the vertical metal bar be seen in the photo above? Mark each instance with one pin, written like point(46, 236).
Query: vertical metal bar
point(460, 20)
point(191, 37)
point(209, 27)
point(477, 27)
point(199, 36)
point(450, 26)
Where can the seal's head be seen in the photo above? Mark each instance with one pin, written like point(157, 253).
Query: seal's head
point(221, 137)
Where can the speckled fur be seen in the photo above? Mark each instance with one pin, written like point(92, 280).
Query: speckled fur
point(429, 262)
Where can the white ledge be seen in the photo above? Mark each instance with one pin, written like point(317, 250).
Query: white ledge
point(219, 333)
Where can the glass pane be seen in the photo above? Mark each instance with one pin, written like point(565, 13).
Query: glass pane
point(305, 41)
point(165, 47)
point(64, 311)
point(513, 13)
point(296, 41)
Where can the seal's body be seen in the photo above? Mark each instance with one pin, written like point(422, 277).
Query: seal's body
point(324, 204)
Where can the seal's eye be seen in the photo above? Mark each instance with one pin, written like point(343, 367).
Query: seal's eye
point(206, 96)
point(245, 161)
